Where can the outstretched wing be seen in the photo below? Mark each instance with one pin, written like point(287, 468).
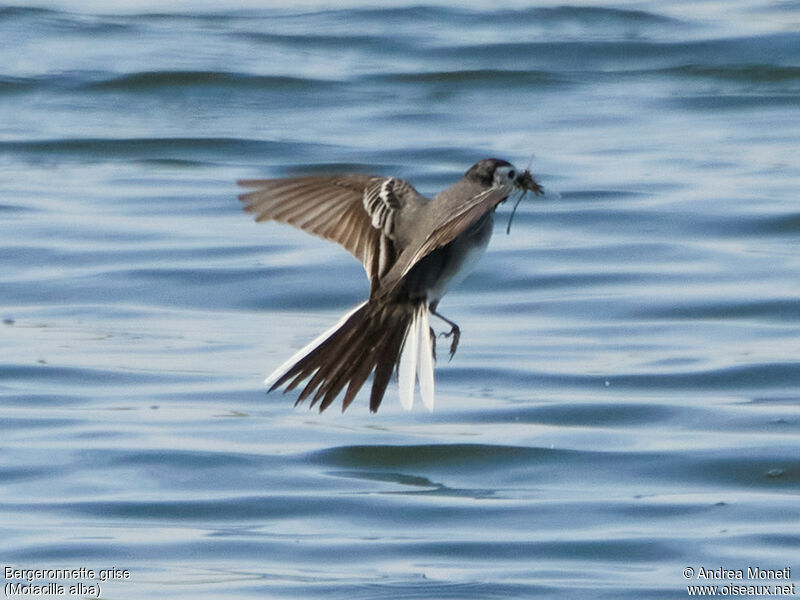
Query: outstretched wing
point(356, 211)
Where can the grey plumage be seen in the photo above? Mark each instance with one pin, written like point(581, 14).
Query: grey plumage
point(412, 250)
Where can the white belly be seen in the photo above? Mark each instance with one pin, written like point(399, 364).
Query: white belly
point(457, 273)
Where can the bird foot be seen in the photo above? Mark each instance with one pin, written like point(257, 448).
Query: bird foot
point(455, 333)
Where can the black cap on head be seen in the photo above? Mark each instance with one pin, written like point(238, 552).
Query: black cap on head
point(483, 171)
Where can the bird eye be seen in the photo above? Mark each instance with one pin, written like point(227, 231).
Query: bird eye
point(512, 174)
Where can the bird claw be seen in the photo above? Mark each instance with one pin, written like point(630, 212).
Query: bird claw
point(455, 332)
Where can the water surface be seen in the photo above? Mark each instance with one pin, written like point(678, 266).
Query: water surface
point(624, 402)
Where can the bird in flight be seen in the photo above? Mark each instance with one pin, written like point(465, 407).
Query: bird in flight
point(414, 250)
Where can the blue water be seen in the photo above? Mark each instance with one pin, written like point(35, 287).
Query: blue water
point(625, 402)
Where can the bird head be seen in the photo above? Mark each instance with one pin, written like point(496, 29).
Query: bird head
point(496, 172)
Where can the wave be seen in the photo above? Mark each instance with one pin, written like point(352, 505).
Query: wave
point(590, 15)
point(10, 84)
point(484, 77)
point(759, 73)
point(149, 80)
point(16, 12)
point(778, 49)
point(177, 148)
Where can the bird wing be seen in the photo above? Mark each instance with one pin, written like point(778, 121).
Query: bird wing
point(355, 211)
point(449, 226)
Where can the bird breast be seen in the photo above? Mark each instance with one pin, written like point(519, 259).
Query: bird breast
point(460, 257)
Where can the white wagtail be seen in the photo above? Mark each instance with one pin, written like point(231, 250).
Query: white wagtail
point(413, 249)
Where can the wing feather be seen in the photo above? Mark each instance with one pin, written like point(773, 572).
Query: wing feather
point(450, 225)
point(459, 221)
point(356, 211)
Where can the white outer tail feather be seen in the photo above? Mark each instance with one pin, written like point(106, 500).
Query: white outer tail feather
point(425, 359)
point(407, 369)
point(416, 361)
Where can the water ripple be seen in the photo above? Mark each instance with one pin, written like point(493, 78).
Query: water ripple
point(624, 402)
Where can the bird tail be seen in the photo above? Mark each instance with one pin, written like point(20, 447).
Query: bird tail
point(374, 336)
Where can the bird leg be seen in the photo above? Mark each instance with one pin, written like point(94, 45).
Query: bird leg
point(455, 332)
point(433, 343)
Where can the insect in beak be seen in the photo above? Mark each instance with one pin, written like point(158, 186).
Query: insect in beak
point(525, 183)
